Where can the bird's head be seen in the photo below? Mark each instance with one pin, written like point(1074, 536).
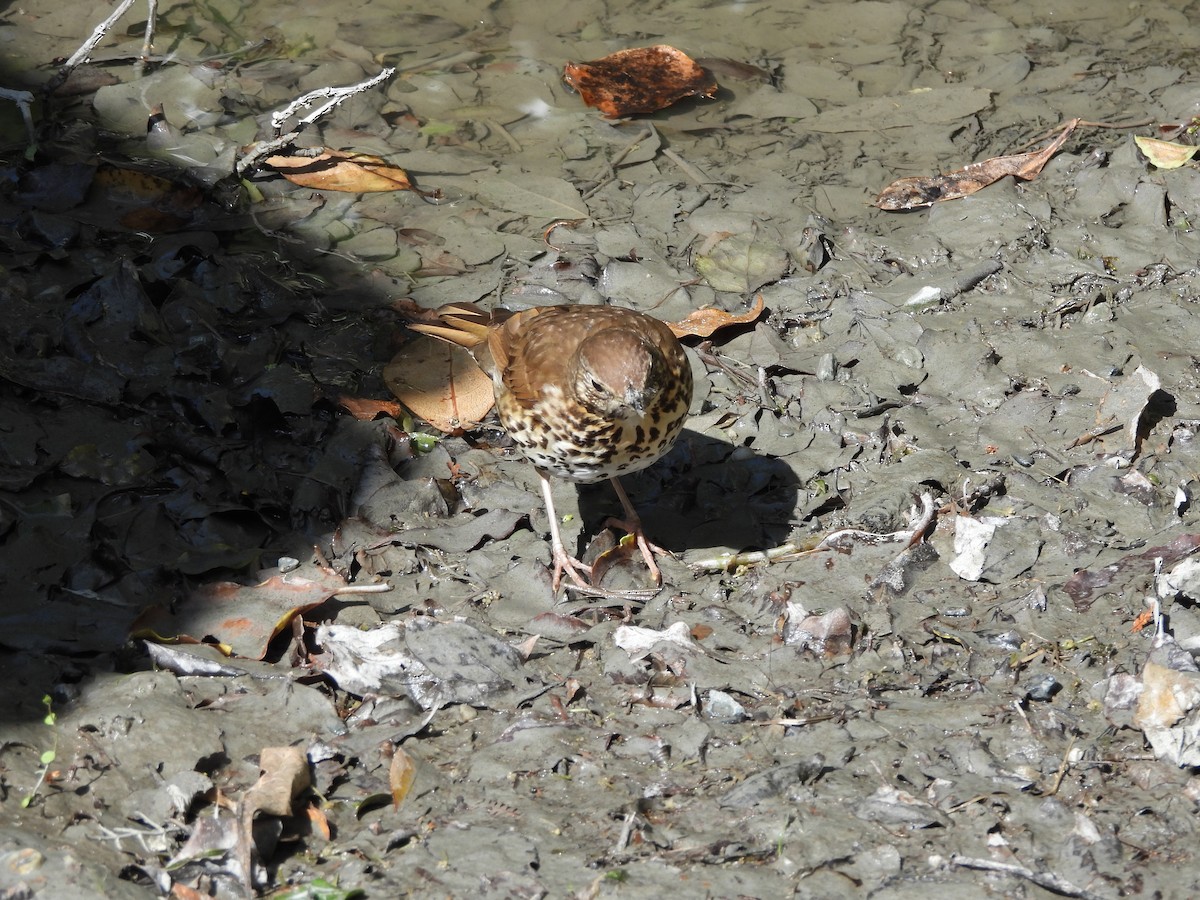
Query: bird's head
point(618, 373)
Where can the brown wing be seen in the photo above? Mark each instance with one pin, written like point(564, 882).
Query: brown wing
point(533, 349)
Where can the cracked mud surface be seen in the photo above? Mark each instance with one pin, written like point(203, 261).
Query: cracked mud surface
point(857, 716)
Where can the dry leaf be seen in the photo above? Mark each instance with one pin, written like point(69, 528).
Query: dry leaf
point(243, 618)
point(340, 170)
point(440, 383)
point(366, 410)
point(401, 773)
point(1165, 154)
point(318, 821)
point(925, 190)
point(704, 322)
point(283, 777)
point(641, 80)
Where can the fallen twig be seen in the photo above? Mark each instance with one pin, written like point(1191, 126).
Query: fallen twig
point(85, 50)
point(334, 96)
point(837, 540)
point(147, 42)
point(1047, 880)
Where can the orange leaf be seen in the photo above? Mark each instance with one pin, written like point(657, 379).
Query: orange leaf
point(319, 821)
point(340, 170)
point(366, 409)
point(642, 80)
point(401, 773)
point(703, 322)
point(440, 383)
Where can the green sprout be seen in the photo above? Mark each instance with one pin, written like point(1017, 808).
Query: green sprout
point(48, 756)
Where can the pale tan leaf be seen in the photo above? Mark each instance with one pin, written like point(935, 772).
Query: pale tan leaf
point(283, 777)
point(340, 170)
point(1164, 154)
point(440, 383)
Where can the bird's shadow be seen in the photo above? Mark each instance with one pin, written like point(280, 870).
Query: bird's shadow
point(705, 493)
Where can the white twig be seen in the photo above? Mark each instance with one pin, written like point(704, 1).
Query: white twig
point(335, 95)
point(381, 588)
point(85, 50)
point(151, 15)
point(1047, 880)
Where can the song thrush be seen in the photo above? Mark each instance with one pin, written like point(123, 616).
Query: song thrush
point(586, 392)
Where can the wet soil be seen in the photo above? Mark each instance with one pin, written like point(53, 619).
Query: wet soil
point(930, 622)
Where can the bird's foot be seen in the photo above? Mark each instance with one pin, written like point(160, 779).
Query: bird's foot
point(633, 527)
point(564, 562)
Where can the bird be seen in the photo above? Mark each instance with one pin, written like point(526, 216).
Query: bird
point(587, 393)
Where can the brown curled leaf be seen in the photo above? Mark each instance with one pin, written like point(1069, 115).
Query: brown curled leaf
point(925, 190)
point(641, 80)
point(704, 322)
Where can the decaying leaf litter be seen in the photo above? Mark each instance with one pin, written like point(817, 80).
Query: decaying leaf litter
point(976, 705)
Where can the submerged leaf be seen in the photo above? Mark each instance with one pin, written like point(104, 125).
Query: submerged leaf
point(740, 263)
point(641, 80)
point(340, 170)
point(243, 618)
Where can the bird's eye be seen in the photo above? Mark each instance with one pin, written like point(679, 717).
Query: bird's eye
point(596, 385)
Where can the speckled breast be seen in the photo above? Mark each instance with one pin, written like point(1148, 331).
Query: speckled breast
point(569, 441)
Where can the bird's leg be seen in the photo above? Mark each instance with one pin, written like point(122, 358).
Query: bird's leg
point(632, 523)
point(563, 561)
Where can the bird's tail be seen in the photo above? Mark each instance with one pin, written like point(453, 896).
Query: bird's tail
point(464, 324)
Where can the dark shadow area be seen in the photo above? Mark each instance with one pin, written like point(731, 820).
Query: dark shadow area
point(704, 494)
point(170, 385)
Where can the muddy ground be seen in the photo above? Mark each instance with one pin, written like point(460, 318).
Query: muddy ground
point(929, 630)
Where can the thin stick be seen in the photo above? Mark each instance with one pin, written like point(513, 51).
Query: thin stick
point(834, 541)
point(689, 170)
point(1047, 880)
point(85, 50)
point(1083, 122)
point(337, 96)
point(148, 41)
